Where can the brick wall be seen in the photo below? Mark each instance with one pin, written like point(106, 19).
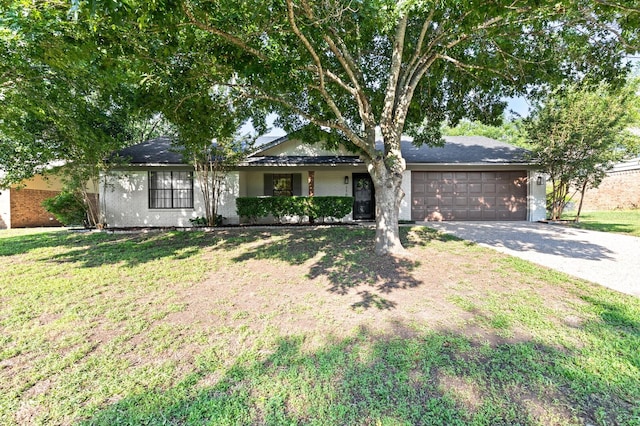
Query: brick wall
point(617, 191)
point(27, 210)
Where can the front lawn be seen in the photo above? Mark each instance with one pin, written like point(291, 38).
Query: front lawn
point(304, 326)
point(621, 221)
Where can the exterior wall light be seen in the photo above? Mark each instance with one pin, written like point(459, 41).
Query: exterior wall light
point(346, 180)
point(539, 180)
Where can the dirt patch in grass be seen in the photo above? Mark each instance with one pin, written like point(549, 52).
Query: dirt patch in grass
point(331, 290)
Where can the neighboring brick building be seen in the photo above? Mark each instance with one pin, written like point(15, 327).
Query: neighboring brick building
point(619, 190)
point(21, 205)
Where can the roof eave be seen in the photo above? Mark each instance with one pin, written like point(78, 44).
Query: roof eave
point(139, 165)
point(497, 163)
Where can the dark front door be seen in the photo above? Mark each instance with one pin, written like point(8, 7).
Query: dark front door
point(363, 194)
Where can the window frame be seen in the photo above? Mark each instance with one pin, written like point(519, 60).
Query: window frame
point(175, 190)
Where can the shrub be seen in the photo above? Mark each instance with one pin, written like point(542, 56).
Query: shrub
point(202, 221)
point(253, 208)
point(68, 208)
point(336, 207)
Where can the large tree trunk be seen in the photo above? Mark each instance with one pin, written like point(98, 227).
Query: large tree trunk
point(388, 196)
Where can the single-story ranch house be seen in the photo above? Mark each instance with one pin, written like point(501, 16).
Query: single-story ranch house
point(469, 178)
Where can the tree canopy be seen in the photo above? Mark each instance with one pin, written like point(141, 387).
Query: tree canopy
point(63, 98)
point(511, 131)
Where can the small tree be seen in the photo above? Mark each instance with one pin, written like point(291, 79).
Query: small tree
point(212, 163)
point(577, 134)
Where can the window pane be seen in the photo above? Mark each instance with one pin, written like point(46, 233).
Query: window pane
point(160, 199)
point(160, 180)
point(183, 198)
point(181, 180)
point(282, 185)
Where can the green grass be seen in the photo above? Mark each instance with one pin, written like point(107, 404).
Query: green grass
point(304, 326)
point(620, 221)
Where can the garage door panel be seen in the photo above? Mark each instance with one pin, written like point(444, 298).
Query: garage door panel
point(474, 215)
point(461, 202)
point(489, 215)
point(461, 195)
point(489, 202)
point(488, 176)
point(475, 188)
point(475, 176)
point(461, 188)
point(489, 188)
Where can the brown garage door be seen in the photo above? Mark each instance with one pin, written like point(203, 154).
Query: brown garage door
point(469, 195)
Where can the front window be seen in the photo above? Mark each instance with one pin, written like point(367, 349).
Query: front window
point(282, 185)
point(170, 190)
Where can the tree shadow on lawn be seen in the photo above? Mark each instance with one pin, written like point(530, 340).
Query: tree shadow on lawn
point(441, 377)
point(132, 249)
point(21, 244)
point(345, 258)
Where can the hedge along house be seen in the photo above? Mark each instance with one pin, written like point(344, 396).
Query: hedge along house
point(469, 178)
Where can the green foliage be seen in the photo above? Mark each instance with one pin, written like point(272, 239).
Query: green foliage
point(253, 208)
point(511, 132)
point(68, 208)
point(64, 97)
point(324, 207)
point(203, 221)
point(578, 133)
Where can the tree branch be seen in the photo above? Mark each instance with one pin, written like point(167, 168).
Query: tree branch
point(389, 108)
point(340, 125)
point(349, 65)
point(462, 65)
point(224, 35)
point(618, 6)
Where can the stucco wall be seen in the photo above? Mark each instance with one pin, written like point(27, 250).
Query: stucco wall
point(405, 206)
point(296, 147)
point(536, 199)
point(126, 202)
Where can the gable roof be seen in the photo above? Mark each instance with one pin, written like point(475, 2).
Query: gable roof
point(456, 150)
point(464, 150)
point(158, 151)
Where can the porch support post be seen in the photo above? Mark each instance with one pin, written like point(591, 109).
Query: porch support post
point(311, 182)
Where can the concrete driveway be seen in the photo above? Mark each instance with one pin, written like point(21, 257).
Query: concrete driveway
point(612, 260)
